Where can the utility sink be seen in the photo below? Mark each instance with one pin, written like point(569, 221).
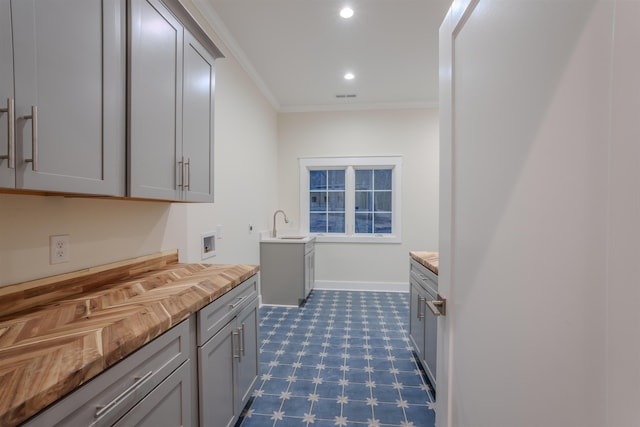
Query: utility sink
point(291, 238)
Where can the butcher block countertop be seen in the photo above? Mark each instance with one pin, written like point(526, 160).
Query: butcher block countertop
point(57, 333)
point(428, 259)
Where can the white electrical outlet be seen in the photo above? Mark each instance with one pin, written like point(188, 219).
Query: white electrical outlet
point(59, 249)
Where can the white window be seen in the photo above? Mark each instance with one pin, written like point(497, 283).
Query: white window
point(351, 199)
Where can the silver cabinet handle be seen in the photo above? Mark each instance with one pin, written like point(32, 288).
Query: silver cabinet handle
point(11, 133)
point(235, 333)
point(34, 138)
point(181, 166)
point(420, 313)
point(242, 341)
point(438, 307)
point(187, 165)
point(103, 410)
point(238, 302)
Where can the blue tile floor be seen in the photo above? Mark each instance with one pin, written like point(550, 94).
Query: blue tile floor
point(344, 359)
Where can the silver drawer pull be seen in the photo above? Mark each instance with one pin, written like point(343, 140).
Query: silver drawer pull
point(238, 302)
point(438, 307)
point(11, 133)
point(34, 138)
point(102, 410)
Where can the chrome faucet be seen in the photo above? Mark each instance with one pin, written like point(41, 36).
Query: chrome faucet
point(286, 221)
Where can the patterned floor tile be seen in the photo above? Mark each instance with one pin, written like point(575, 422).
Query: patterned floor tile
point(343, 359)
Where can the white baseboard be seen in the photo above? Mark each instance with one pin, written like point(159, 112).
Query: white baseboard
point(362, 286)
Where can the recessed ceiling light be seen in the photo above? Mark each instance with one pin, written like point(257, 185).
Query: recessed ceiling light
point(349, 76)
point(346, 12)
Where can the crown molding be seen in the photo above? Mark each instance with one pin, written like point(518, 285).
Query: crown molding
point(235, 50)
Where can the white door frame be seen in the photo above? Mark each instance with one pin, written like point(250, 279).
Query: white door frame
point(453, 22)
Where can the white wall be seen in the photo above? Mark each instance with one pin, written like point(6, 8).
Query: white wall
point(541, 253)
point(101, 231)
point(104, 231)
point(245, 172)
point(411, 133)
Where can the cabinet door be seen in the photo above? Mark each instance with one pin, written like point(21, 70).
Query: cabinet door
point(247, 322)
point(430, 342)
point(312, 270)
point(7, 174)
point(69, 61)
point(197, 121)
point(217, 369)
point(155, 91)
point(309, 272)
point(168, 405)
point(416, 318)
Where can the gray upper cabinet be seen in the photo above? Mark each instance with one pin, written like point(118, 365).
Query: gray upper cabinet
point(7, 121)
point(68, 87)
point(197, 121)
point(171, 108)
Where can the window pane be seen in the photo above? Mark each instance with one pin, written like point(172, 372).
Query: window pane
point(383, 201)
point(382, 179)
point(364, 223)
point(364, 179)
point(318, 223)
point(318, 180)
point(382, 222)
point(336, 223)
point(363, 200)
point(336, 201)
point(318, 201)
point(336, 179)
point(371, 197)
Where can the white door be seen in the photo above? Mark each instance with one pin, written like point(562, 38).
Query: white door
point(524, 126)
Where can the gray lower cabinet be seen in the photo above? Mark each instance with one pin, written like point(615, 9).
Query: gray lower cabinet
point(287, 271)
point(423, 324)
point(199, 373)
point(228, 360)
point(171, 107)
point(63, 95)
point(416, 317)
point(151, 387)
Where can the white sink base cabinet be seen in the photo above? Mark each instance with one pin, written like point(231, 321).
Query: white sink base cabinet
point(287, 271)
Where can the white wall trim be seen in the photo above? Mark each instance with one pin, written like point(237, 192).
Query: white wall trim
point(362, 286)
point(358, 107)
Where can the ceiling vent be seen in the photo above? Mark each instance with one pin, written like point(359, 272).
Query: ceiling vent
point(350, 95)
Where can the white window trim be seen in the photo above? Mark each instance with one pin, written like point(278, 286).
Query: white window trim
point(352, 163)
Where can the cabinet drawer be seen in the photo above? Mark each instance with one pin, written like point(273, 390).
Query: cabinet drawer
point(218, 313)
point(107, 397)
point(424, 276)
point(167, 405)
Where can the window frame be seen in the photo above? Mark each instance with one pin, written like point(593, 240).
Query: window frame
point(350, 164)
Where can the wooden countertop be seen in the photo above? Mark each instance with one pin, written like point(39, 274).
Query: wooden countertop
point(77, 327)
point(428, 259)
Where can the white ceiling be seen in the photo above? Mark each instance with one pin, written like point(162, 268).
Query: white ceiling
point(297, 51)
